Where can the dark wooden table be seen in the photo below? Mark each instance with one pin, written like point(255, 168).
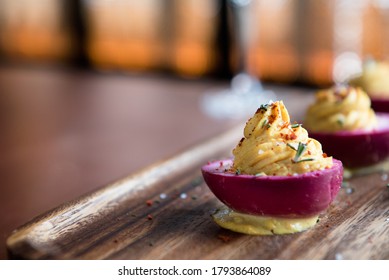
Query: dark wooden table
point(66, 133)
point(74, 141)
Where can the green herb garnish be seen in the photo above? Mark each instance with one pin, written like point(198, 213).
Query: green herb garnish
point(237, 172)
point(295, 125)
point(300, 151)
point(290, 146)
point(264, 107)
point(340, 122)
point(265, 123)
point(305, 159)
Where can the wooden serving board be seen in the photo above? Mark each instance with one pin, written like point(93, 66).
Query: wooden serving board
point(164, 212)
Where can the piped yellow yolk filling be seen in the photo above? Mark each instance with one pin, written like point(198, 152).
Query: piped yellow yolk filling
point(374, 78)
point(340, 109)
point(273, 146)
point(261, 225)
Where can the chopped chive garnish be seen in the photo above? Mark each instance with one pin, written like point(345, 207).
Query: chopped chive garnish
point(295, 125)
point(340, 122)
point(264, 107)
point(300, 151)
point(290, 146)
point(305, 159)
point(265, 122)
point(237, 172)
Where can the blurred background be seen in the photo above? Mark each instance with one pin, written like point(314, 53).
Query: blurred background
point(94, 90)
point(292, 41)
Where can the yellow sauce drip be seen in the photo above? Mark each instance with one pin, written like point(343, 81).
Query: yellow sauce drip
point(261, 225)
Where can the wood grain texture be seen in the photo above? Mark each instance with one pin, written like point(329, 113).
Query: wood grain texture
point(67, 133)
point(130, 219)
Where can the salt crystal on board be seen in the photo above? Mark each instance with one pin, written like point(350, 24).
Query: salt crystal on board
point(349, 190)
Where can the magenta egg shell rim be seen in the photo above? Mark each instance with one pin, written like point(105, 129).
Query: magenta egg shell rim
point(379, 99)
point(380, 104)
point(247, 192)
point(315, 173)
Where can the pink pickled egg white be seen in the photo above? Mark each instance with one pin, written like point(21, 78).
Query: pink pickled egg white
point(380, 104)
point(301, 195)
point(358, 148)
